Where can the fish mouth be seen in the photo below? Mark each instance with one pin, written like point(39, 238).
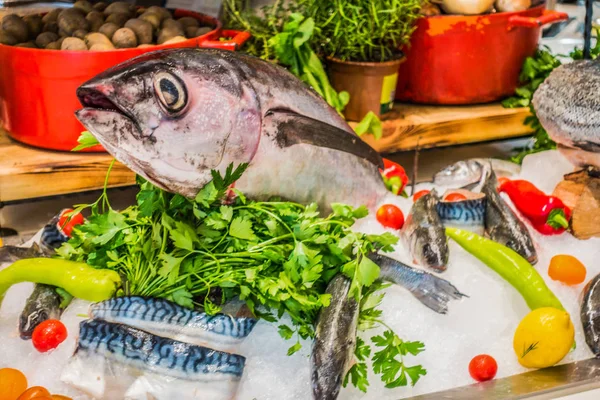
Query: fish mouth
point(97, 104)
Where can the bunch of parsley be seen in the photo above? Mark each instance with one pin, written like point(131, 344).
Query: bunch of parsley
point(276, 256)
point(535, 70)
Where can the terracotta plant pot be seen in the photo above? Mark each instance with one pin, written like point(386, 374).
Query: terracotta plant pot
point(371, 85)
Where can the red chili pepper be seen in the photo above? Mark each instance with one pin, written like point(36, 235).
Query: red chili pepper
point(394, 176)
point(547, 214)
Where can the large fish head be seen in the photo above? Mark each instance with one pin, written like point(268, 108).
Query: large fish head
point(174, 115)
point(458, 174)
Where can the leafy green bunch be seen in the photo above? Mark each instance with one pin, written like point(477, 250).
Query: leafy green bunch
point(535, 70)
point(362, 30)
point(276, 256)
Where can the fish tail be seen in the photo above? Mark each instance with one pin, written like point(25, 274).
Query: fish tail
point(433, 292)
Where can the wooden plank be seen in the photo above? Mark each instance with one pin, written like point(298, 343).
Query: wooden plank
point(26, 172)
point(439, 126)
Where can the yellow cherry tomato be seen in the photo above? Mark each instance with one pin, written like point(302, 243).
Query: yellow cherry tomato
point(566, 269)
point(12, 383)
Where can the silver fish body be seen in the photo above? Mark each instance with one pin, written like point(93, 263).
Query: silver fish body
point(167, 319)
point(425, 234)
point(247, 111)
point(466, 214)
point(432, 291)
point(590, 314)
point(501, 223)
point(568, 108)
point(468, 172)
point(335, 340)
point(116, 361)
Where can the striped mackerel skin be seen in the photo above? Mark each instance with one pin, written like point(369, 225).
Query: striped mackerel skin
point(468, 214)
point(147, 352)
point(165, 318)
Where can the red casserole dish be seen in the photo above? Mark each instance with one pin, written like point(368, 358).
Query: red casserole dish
point(37, 86)
point(455, 59)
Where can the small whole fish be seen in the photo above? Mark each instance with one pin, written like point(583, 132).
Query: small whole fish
point(114, 361)
point(425, 235)
point(567, 106)
point(590, 314)
point(167, 319)
point(432, 291)
point(335, 340)
point(501, 223)
point(469, 172)
point(468, 214)
point(10, 254)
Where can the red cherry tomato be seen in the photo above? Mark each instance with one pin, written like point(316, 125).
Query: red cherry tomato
point(483, 368)
point(390, 216)
point(48, 335)
point(455, 197)
point(502, 180)
point(420, 194)
point(68, 222)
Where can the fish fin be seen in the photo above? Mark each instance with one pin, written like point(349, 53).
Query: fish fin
point(433, 292)
point(587, 146)
point(291, 129)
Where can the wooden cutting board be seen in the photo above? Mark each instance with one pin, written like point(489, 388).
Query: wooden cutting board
point(27, 172)
point(409, 125)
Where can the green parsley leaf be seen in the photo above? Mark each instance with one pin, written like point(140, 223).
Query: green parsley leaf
point(294, 349)
point(183, 297)
point(86, 140)
point(285, 332)
point(241, 228)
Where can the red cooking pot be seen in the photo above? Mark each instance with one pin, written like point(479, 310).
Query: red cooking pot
point(37, 86)
point(455, 59)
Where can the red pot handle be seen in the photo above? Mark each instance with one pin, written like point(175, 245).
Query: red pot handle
point(238, 38)
point(547, 17)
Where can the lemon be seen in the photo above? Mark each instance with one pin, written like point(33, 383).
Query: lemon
point(543, 337)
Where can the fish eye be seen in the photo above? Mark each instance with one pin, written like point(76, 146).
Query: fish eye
point(170, 91)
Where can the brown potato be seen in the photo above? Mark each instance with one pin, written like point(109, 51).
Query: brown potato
point(168, 33)
point(29, 45)
point(53, 45)
point(62, 33)
point(72, 43)
point(203, 30)
point(100, 6)
point(186, 22)
point(175, 39)
point(45, 38)
point(16, 27)
point(152, 18)
point(190, 32)
point(80, 33)
point(162, 12)
point(145, 46)
point(118, 19)
point(102, 47)
point(124, 38)
point(97, 38)
point(83, 5)
point(71, 20)
point(119, 7)
point(95, 19)
point(52, 16)
point(34, 24)
point(171, 23)
point(108, 29)
point(51, 27)
point(7, 38)
point(142, 30)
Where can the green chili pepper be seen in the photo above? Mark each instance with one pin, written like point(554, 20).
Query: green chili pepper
point(79, 279)
point(510, 266)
